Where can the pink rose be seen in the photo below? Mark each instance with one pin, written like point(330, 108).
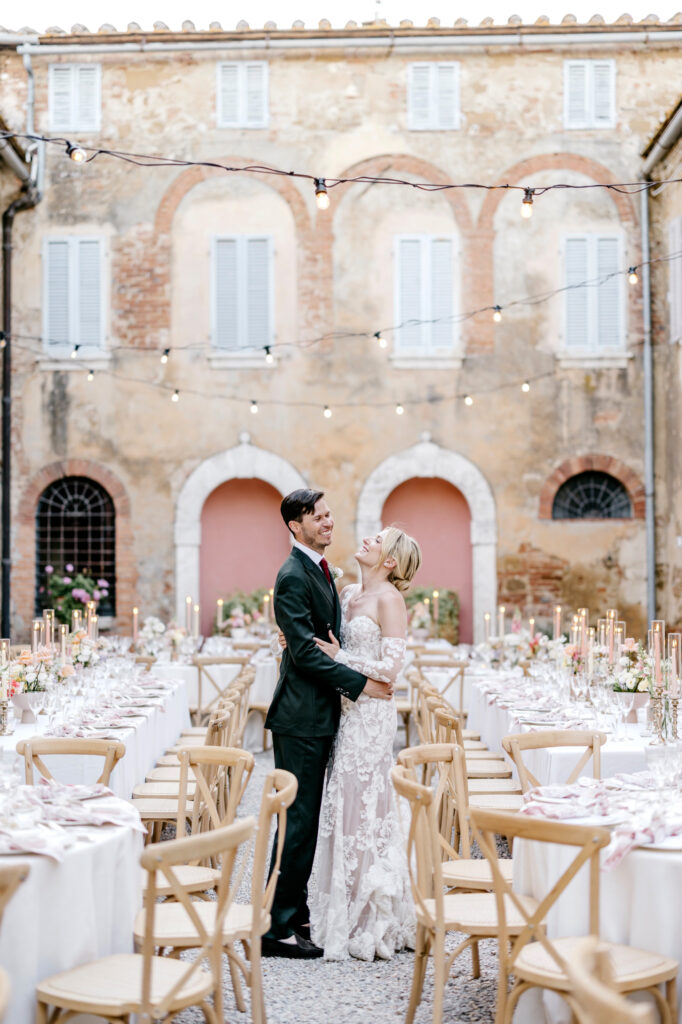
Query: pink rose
point(102, 584)
point(96, 595)
point(69, 568)
point(66, 579)
point(49, 569)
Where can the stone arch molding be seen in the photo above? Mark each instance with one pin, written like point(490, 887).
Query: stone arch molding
point(427, 459)
point(245, 461)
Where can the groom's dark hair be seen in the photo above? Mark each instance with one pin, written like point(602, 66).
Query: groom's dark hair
point(298, 503)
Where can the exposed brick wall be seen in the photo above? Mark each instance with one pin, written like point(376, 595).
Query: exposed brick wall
point(603, 463)
point(24, 568)
point(530, 580)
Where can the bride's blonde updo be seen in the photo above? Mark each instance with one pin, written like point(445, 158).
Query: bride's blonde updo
point(405, 550)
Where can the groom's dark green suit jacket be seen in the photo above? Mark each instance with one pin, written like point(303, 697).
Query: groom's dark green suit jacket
point(307, 701)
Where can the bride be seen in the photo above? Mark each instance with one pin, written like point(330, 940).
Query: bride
point(363, 904)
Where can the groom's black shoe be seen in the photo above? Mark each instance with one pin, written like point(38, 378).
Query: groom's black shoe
point(301, 949)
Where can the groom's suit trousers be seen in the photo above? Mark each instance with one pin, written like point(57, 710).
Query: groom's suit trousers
point(306, 757)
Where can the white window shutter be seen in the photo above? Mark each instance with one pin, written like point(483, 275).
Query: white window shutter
point(256, 95)
point(603, 92)
point(410, 285)
point(57, 293)
point(441, 285)
point(88, 252)
point(60, 97)
point(257, 292)
point(675, 278)
point(226, 291)
point(228, 95)
point(576, 299)
point(87, 112)
point(447, 91)
point(608, 293)
point(419, 96)
point(576, 108)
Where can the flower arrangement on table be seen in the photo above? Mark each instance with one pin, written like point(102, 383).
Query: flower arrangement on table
point(35, 672)
point(84, 651)
point(241, 610)
point(634, 670)
point(69, 591)
point(420, 606)
point(151, 639)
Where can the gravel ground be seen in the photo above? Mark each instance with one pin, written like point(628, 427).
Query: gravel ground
point(353, 991)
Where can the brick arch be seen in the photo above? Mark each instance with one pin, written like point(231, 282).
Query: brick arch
point(602, 463)
point(483, 235)
point(23, 571)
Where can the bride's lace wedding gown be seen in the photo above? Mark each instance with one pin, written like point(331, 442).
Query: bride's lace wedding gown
point(362, 904)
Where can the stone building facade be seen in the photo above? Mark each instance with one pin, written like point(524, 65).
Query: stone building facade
point(264, 301)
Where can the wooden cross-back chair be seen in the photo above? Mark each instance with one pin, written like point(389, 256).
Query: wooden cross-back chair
point(209, 691)
point(11, 877)
point(590, 741)
point(157, 988)
point(246, 923)
point(590, 973)
point(455, 669)
point(487, 774)
point(473, 914)
point(145, 659)
point(34, 749)
point(530, 956)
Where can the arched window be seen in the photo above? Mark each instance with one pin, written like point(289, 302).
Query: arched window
point(592, 495)
point(76, 525)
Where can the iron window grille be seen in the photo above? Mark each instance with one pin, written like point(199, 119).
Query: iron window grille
point(76, 525)
point(592, 495)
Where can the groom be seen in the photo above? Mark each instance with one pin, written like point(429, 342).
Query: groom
point(305, 709)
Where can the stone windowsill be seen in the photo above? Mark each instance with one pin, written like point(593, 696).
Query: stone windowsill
point(438, 361)
point(83, 362)
point(594, 360)
point(233, 361)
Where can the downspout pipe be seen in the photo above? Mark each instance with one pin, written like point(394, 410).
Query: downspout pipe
point(648, 372)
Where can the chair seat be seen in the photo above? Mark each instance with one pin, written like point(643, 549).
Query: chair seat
point(192, 878)
point(488, 770)
point(195, 730)
point(476, 913)
point(167, 773)
point(633, 968)
point(168, 760)
point(113, 985)
point(497, 801)
point(470, 745)
point(482, 754)
point(473, 874)
point(167, 788)
point(173, 926)
point(156, 808)
point(470, 734)
point(493, 786)
point(404, 706)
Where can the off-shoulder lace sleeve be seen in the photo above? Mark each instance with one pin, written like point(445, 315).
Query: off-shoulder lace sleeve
point(387, 668)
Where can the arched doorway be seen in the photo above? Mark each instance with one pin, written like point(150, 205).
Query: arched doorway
point(242, 545)
point(437, 514)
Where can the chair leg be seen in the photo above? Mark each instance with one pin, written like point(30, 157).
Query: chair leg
point(420, 954)
point(41, 1013)
point(671, 996)
point(257, 1000)
point(440, 977)
point(475, 961)
point(236, 984)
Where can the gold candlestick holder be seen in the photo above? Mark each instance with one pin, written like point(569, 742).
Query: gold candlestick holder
point(4, 717)
point(657, 703)
point(674, 701)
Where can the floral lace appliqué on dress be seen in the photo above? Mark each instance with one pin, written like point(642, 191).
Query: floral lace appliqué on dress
point(362, 904)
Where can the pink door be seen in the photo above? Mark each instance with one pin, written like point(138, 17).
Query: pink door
point(243, 542)
point(437, 515)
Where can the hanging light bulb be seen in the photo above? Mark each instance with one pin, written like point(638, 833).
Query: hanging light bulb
point(175, 397)
point(91, 375)
point(269, 358)
point(74, 351)
point(381, 340)
point(164, 355)
point(399, 409)
point(497, 314)
point(321, 194)
point(633, 277)
point(327, 412)
point(75, 153)
point(527, 204)
point(254, 407)
point(468, 400)
point(525, 387)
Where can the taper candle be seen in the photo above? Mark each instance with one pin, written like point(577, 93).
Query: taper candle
point(63, 631)
point(436, 608)
point(556, 624)
point(500, 621)
point(486, 627)
point(195, 622)
point(188, 614)
point(219, 612)
point(136, 614)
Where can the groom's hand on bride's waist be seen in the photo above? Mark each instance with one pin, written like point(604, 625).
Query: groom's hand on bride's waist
point(382, 691)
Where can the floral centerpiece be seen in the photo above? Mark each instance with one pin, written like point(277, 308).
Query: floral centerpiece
point(419, 601)
point(84, 652)
point(634, 670)
point(70, 590)
point(151, 638)
point(240, 611)
point(420, 619)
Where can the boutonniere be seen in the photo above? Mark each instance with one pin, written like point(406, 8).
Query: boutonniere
point(335, 573)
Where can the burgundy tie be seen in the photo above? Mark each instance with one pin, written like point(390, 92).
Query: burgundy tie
point(324, 565)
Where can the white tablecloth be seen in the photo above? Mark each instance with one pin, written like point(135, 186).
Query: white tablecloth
point(553, 764)
point(639, 906)
point(70, 912)
point(145, 740)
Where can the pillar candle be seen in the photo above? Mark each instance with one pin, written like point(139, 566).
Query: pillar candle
point(266, 607)
point(35, 635)
point(486, 627)
point(94, 627)
point(188, 614)
point(500, 621)
point(219, 612)
point(611, 616)
point(195, 621)
point(674, 650)
point(531, 627)
point(556, 631)
point(136, 615)
point(63, 630)
point(436, 608)
point(658, 631)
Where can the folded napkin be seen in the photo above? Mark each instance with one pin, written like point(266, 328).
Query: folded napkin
point(43, 841)
point(652, 828)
